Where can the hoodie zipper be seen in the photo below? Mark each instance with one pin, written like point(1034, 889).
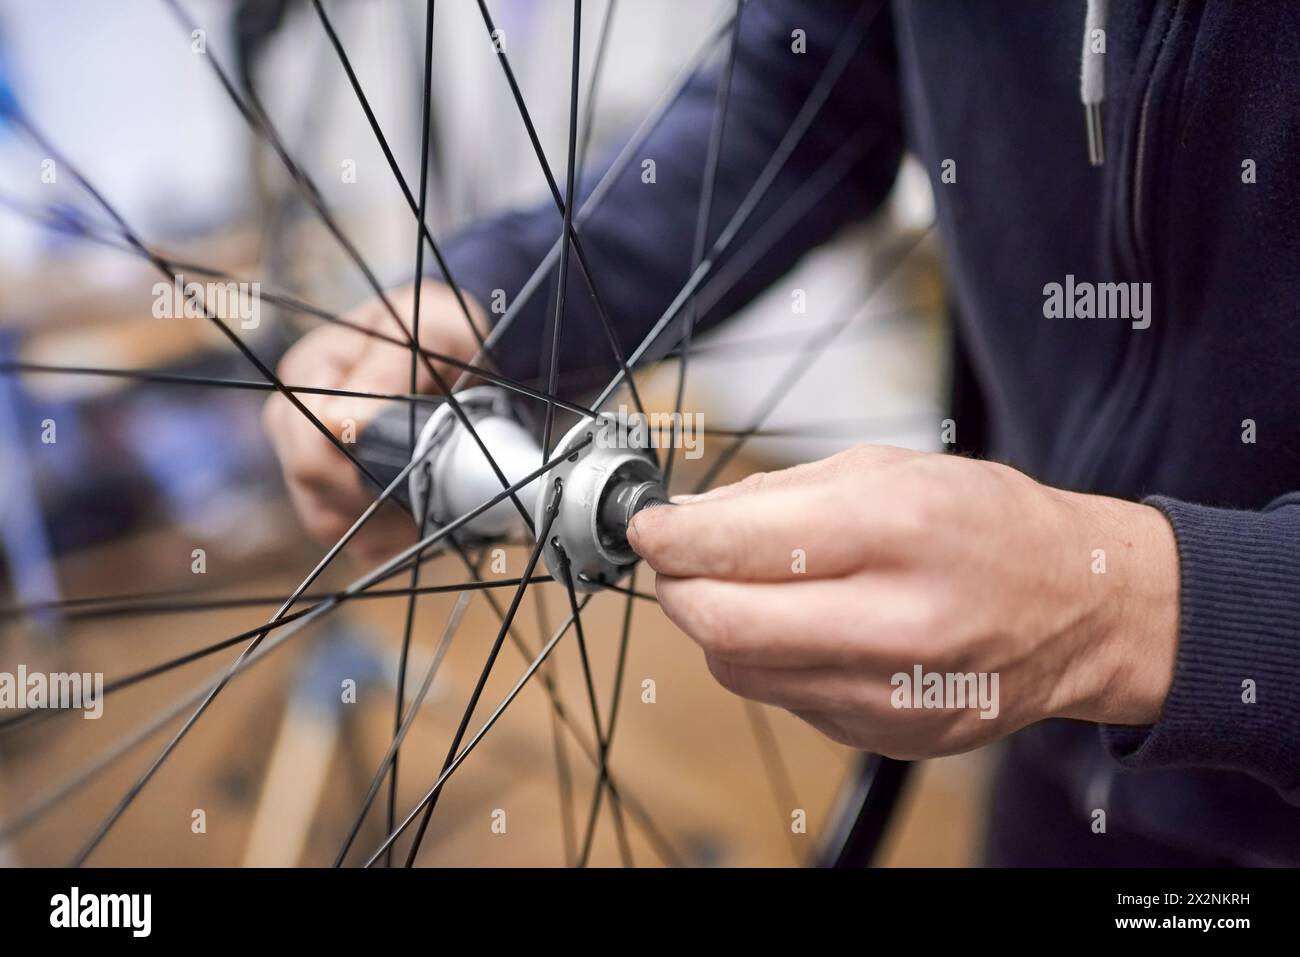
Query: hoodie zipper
point(1132, 378)
point(1139, 214)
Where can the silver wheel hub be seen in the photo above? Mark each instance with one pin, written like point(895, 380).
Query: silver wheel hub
point(605, 481)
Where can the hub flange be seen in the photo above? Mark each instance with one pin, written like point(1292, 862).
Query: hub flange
point(606, 480)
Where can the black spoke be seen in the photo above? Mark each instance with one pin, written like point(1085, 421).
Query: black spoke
point(616, 696)
point(622, 590)
point(24, 123)
point(659, 842)
point(703, 221)
point(602, 777)
point(563, 775)
point(593, 87)
point(778, 345)
point(171, 378)
point(853, 307)
point(792, 209)
point(119, 684)
point(562, 283)
point(421, 229)
point(399, 695)
point(620, 669)
point(778, 774)
point(146, 603)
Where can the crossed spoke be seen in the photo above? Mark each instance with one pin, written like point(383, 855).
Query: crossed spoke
point(799, 126)
point(261, 125)
point(564, 201)
point(203, 694)
point(552, 509)
point(417, 208)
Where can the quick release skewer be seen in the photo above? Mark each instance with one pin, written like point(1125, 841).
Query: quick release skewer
point(607, 479)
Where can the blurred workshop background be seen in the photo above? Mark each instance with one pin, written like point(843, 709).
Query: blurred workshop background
point(143, 473)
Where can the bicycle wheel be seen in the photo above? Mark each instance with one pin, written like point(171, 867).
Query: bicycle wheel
point(372, 785)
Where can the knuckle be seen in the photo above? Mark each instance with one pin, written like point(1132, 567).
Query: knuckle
point(900, 629)
point(930, 501)
point(923, 625)
point(903, 524)
point(936, 500)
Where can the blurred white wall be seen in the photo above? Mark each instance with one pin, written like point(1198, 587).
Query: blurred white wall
point(117, 89)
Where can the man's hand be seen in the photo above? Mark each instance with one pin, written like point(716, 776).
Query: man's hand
point(326, 490)
point(813, 587)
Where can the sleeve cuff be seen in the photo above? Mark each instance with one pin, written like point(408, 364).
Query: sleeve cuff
point(1235, 698)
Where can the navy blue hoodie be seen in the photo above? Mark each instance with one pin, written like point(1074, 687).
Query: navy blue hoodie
point(1198, 412)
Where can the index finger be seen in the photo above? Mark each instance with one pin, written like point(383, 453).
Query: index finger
point(777, 535)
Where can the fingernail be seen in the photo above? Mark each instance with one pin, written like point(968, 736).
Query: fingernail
point(632, 534)
point(634, 526)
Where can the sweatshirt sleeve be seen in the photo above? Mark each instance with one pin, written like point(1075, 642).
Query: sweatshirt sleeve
point(640, 238)
point(1235, 698)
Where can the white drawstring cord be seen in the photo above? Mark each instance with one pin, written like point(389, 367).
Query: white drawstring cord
point(1092, 77)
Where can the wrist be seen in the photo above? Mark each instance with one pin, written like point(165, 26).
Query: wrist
point(1127, 612)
